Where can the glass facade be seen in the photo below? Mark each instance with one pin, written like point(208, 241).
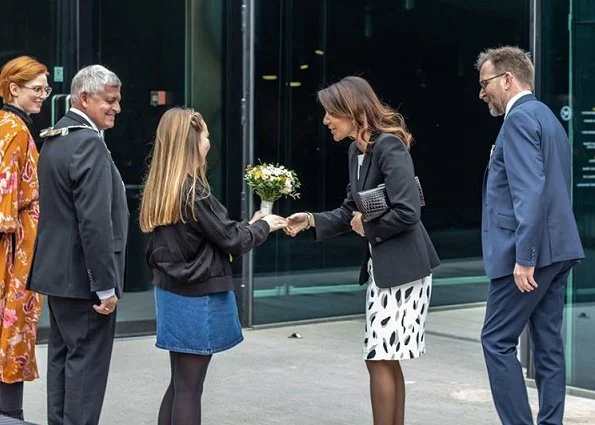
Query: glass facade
point(418, 62)
point(146, 48)
point(418, 55)
point(581, 294)
point(176, 48)
point(567, 86)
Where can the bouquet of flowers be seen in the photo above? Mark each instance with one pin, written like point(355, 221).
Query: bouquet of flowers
point(270, 182)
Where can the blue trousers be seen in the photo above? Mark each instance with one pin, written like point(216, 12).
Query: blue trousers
point(508, 311)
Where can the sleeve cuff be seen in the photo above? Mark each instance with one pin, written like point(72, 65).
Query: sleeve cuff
point(261, 223)
point(104, 295)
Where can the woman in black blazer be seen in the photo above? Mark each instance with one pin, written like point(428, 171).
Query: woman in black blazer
point(399, 257)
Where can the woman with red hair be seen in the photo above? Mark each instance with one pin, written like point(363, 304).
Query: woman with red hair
point(23, 88)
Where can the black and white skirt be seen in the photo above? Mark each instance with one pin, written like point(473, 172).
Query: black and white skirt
point(396, 319)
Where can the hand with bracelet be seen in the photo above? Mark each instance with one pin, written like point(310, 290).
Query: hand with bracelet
point(298, 222)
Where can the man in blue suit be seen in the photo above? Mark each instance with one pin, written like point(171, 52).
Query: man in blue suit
point(529, 237)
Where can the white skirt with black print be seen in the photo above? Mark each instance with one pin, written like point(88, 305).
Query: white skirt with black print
point(396, 319)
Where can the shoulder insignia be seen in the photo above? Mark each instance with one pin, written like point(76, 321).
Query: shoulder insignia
point(50, 132)
point(63, 131)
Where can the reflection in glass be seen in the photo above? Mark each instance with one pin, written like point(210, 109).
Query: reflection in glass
point(418, 62)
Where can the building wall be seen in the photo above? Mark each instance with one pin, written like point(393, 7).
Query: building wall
point(419, 57)
point(567, 86)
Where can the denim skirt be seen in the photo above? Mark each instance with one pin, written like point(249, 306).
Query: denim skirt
point(197, 325)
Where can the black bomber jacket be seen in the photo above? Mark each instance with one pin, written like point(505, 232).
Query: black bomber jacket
point(194, 258)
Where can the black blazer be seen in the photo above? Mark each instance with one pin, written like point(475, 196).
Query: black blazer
point(83, 220)
point(401, 248)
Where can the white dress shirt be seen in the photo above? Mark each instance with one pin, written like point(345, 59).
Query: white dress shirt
point(514, 99)
point(360, 161)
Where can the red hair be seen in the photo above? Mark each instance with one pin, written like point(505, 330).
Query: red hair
point(19, 71)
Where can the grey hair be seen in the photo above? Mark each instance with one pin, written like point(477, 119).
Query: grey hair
point(92, 79)
point(510, 59)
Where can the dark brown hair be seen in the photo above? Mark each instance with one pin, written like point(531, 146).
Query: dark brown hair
point(354, 98)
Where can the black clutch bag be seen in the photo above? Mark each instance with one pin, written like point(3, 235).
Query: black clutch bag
point(373, 203)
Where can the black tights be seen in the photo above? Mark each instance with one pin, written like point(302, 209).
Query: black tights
point(181, 402)
point(387, 391)
point(11, 400)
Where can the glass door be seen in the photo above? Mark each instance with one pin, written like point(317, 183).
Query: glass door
point(50, 32)
point(565, 67)
point(419, 63)
point(580, 337)
point(166, 54)
point(147, 48)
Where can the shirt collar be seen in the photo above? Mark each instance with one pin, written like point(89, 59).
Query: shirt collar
point(86, 117)
point(514, 99)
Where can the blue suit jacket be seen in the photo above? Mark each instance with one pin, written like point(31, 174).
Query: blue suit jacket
point(527, 217)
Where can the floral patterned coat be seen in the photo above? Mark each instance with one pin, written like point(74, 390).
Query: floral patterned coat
point(19, 213)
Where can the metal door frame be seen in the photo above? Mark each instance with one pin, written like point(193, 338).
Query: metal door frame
point(247, 285)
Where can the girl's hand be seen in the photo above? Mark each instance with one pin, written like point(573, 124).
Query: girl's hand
point(257, 216)
point(275, 222)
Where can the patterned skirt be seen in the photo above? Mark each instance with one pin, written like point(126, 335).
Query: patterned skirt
point(396, 319)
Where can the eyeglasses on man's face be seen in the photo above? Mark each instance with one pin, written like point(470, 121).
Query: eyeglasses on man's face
point(484, 83)
point(39, 90)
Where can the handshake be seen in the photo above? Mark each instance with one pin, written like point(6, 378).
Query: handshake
point(301, 221)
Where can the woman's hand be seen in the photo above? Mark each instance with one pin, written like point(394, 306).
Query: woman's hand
point(356, 223)
point(275, 222)
point(296, 223)
point(257, 216)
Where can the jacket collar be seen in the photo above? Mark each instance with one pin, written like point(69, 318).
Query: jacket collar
point(521, 100)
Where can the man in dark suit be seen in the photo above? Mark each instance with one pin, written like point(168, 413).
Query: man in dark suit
point(529, 237)
point(79, 255)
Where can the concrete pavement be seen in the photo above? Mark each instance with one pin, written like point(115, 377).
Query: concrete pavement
point(271, 379)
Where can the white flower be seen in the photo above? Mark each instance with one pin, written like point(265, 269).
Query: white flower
point(272, 181)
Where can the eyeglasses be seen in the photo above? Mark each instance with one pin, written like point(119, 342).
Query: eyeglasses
point(39, 90)
point(484, 83)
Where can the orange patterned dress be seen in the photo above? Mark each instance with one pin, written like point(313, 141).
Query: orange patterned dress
point(19, 213)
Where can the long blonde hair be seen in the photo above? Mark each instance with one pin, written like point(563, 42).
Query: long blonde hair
point(354, 98)
point(175, 161)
